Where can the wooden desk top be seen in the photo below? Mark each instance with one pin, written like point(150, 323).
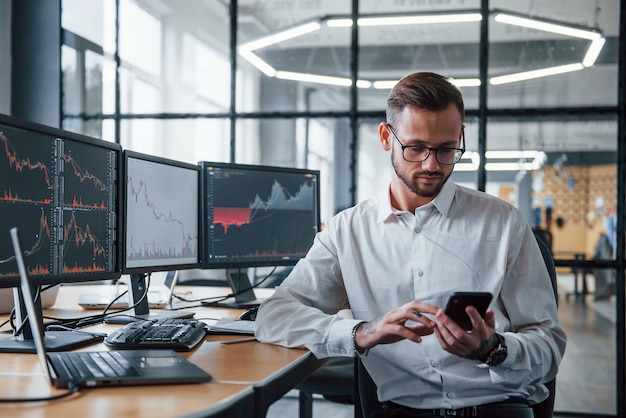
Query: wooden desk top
point(237, 369)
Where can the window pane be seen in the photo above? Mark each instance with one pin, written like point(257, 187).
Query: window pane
point(90, 20)
point(515, 50)
point(188, 140)
point(275, 71)
point(567, 181)
point(140, 38)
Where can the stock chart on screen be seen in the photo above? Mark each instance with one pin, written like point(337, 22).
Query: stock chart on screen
point(161, 213)
point(61, 192)
point(258, 215)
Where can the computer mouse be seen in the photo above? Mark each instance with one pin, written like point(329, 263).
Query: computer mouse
point(249, 314)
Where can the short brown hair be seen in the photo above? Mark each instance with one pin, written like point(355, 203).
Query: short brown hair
point(423, 90)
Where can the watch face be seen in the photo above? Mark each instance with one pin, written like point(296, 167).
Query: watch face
point(497, 356)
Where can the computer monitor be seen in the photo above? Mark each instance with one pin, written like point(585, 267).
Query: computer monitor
point(160, 221)
point(60, 189)
point(256, 215)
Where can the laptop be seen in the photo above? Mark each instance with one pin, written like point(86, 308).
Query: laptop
point(48, 299)
point(103, 368)
point(159, 295)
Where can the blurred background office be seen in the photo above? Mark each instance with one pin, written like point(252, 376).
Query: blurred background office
point(296, 83)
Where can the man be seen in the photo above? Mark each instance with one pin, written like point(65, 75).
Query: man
point(395, 260)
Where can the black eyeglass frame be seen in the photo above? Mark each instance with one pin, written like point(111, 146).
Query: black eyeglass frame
point(458, 152)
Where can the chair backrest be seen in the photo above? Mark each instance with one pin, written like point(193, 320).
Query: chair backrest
point(367, 388)
point(545, 408)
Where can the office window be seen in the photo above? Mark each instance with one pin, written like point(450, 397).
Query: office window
point(187, 140)
point(572, 63)
point(93, 21)
point(142, 38)
point(295, 59)
point(206, 72)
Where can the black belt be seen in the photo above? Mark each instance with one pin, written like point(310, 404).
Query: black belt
point(468, 411)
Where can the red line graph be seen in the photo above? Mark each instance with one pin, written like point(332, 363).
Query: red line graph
point(21, 164)
point(44, 232)
point(80, 237)
point(84, 175)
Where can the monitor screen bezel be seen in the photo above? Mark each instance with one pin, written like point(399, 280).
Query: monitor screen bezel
point(53, 132)
point(165, 267)
point(206, 264)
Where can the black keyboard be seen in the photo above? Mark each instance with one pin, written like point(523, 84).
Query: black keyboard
point(174, 334)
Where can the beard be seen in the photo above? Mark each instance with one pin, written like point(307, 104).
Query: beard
point(412, 182)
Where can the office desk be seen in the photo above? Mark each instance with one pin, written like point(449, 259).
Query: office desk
point(247, 377)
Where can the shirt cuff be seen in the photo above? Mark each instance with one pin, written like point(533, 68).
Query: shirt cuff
point(340, 343)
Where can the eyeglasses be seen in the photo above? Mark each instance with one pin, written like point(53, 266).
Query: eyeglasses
point(417, 154)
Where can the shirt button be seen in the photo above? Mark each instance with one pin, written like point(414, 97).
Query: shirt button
point(450, 395)
point(433, 363)
point(420, 273)
point(418, 229)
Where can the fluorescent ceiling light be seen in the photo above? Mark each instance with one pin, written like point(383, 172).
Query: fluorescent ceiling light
point(546, 26)
point(314, 78)
point(384, 84)
point(510, 166)
point(528, 75)
point(281, 36)
point(407, 20)
point(471, 165)
point(512, 154)
point(593, 51)
point(465, 82)
point(459, 82)
point(339, 23)
point(255, 60)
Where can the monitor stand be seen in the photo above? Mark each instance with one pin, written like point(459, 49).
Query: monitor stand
point(22, 339)
point(141, 311)
point(244, 297)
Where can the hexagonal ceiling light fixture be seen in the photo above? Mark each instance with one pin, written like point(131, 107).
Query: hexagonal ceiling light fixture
point(596, 38)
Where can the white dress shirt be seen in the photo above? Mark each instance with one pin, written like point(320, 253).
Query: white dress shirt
point(372, 258)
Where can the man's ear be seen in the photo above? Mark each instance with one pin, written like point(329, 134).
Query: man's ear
point(385, 136)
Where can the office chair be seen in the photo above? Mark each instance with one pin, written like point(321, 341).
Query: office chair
point(367, 388)
point(334, 380)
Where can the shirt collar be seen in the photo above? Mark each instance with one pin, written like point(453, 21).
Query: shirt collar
point(443, 201)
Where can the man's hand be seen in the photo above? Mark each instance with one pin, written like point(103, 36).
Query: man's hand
point(475, 344)
point(393, 326)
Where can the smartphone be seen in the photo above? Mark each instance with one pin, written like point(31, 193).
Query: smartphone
point(455, 308)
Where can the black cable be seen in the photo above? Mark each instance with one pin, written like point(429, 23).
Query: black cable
point(71, 390)
point(80, 322)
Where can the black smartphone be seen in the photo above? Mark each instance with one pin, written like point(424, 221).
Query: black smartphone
point(455, 308)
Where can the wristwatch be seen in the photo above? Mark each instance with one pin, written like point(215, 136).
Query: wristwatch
point(498, 354)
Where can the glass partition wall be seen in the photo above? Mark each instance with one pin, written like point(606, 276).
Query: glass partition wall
point(299, 84)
